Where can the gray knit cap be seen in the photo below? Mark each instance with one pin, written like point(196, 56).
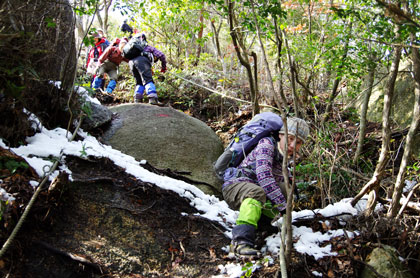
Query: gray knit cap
point(293, 124)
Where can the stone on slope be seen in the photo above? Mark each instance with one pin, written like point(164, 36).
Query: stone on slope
point(167, 138)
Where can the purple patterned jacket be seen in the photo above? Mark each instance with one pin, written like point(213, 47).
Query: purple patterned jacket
point(262, 168)
point(157, 54)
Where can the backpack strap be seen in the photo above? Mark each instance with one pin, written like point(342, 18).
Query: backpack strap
point(95, 52)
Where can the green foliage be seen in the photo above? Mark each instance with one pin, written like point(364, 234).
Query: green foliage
point(87, 7)
point(351, 114)
point(414, 169)
point(50, 22)
point(12, 165)
point(248, 268)
point(307, 171)
point(87, 109)
point(83, 152)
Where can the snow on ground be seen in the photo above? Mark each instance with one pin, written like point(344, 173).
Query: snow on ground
point(55, 143)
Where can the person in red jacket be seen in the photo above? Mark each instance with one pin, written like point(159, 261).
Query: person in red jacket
point(93, 55)
point(108, 63)
point(96, 50)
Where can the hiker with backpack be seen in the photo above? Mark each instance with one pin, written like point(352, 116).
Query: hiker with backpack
point(93, 55)
point(142, 56)
point(126, 28)
point(109, 62)
point(101, 33)
point(251, 167)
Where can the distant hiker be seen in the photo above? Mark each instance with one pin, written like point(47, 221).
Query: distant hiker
point(126, 28)
point(141, 67)
point(108, 63)
point(94, 53)
point(257, 188)
point(101, 33)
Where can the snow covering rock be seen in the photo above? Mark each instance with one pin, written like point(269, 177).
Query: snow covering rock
point(167, 138)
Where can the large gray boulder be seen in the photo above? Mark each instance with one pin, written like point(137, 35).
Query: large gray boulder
point(167, 138)
point(100, 115)
point(402, 102)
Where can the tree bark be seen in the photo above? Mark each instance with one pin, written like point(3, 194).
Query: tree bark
point(279, 42)
point(292, 77)
point(243, 59)
point(365, 105)
point(373, 184)
point(216, 31)
point(399, 184)
point(200, 36)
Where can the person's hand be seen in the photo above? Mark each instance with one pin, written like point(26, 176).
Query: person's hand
point(163, 70)
point(276, 218)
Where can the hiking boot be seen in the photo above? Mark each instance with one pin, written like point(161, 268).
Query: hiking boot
point(154, 101)
point(99, 91)
point(243, 250)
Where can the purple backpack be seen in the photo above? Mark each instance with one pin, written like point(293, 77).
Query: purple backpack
point(262, 125)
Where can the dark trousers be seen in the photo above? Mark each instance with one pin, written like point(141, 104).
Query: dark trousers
point(141, 68)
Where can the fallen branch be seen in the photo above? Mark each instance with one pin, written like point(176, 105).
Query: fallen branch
point(406, 203)
point(71, 256)
point(354, 173)
point(387, 202)
point(318, 217)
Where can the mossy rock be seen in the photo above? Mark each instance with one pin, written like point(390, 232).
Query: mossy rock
point(167, 138)
point(386, 262)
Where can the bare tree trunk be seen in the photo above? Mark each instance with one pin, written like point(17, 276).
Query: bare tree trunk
point(244, 60)
point(373, 185)
point(279, 42)
point(200, 36)
point(104, 6)
point(107, 4)
point(399, 184)
point(365, 105)
point(99, 17)
point(216, 39)
point(80, 29)
point(292, 76)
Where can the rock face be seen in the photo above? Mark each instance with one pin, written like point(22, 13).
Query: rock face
point(37, 48)
point(385, 261)
point(105, 223)
point(167, 138)
point(403, 102)
point(100, 116)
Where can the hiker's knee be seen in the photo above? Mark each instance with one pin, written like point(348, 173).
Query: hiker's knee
point(236, 193)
